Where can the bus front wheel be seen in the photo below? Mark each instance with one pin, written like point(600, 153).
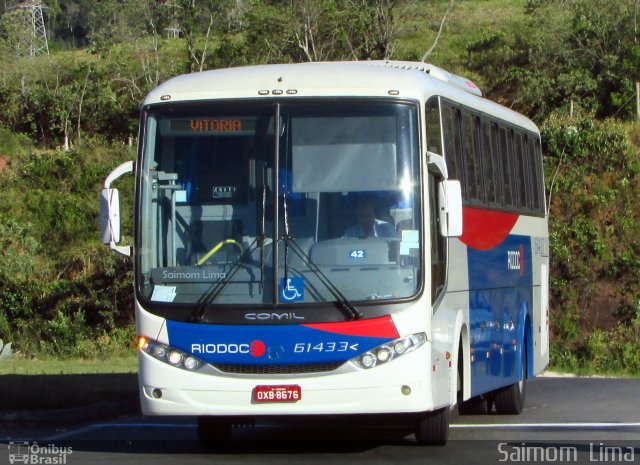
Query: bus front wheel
point(510, 400)
point(432, 428)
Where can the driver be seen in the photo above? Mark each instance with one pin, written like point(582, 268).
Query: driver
point(368, 225)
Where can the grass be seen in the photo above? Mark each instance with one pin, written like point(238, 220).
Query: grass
point(70, 366)
point(66, 383)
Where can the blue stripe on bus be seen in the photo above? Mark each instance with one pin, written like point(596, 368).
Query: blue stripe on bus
point(267, 344)
point(500, 296)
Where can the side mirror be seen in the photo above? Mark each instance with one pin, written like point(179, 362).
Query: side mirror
point(110, 216)
point(450, 207)
point(110, 210)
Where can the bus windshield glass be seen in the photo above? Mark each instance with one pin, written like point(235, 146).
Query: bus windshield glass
point(336, 183)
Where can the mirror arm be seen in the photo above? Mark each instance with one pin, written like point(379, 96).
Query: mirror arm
point(121, 249)
point(436, 163)
point(124, 168)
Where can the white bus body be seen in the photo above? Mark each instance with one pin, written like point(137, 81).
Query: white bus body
point(348, 323)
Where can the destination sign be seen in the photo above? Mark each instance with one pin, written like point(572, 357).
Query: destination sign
point(213, 125)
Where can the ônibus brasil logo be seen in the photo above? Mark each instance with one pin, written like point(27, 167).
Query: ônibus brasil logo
point(255, 348)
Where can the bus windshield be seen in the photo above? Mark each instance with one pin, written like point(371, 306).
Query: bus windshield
point(272, 204)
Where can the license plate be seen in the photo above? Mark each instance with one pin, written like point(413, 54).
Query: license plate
point(286, 393)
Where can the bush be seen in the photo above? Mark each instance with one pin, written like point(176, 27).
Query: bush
point(62, 293)
point(595, 243)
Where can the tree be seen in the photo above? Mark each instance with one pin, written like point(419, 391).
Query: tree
point(317, 30)
point(583, 51)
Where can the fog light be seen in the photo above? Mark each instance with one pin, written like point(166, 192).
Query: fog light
point(191, 363)
point(174, 357)
point(159, 351)
point(400, 347)
point(389, 351)
point(368, 360)
point(384, 354)
point(156, 393)
point(406, 390)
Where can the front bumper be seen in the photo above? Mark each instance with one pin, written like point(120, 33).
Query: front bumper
point(351, 390)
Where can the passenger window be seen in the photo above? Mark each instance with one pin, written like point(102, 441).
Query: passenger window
point(536, 174)
point(520, 170)
point(489, 165)
point(497, 162)
point(434, 136)
point(471, 159)
point(453, 150)
point(505, 162)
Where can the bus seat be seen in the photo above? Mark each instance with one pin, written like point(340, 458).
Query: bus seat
point(347, 251)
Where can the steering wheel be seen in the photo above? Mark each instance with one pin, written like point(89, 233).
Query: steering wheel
point(217, 247)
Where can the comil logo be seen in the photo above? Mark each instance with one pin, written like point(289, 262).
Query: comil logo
point(515, 260)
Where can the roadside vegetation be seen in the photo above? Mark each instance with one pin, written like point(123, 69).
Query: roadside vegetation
point(69, 366)
point(69, 117)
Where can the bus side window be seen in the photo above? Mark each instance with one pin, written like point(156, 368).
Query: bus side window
point(505, 163)
point(452, 145)
point(438, 243)
point(489, 164)
point(521, 172)
point(471, 159)
point(434, 133)
point(536, 169)
point(496, 144)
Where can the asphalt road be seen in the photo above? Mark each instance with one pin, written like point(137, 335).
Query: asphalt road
point(566, 420)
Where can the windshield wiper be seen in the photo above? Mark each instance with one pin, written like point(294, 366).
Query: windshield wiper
point(262, 236)
point(347, 306)
point(210, 296)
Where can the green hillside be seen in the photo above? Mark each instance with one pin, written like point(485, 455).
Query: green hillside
point(69, 117)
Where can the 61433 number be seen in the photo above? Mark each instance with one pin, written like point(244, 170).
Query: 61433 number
point(325, 347)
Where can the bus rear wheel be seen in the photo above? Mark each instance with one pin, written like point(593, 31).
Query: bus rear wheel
point(214, 430)
point(432, 428)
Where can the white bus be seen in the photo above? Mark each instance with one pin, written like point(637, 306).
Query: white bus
point(328, 239)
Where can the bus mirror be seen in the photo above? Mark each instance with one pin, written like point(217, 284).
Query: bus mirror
point(450, 208)
point(110, 210)
point(110, 216)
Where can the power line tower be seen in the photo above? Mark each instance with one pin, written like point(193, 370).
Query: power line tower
point(33, 39)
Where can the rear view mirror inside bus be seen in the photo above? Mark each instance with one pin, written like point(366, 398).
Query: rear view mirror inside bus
point(450, 208)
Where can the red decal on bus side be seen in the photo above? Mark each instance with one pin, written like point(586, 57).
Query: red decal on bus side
point(486, 229)
point(375, 327)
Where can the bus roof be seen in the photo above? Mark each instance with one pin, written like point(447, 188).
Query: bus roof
point(332, 79)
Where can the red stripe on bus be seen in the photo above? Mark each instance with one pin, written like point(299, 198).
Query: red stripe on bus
point(382, 327)
point(486, 229)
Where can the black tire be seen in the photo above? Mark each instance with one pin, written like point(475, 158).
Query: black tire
point(432, 428)
point(214, 430)
point(478, 405)
point(510, 400)
point(475, 406)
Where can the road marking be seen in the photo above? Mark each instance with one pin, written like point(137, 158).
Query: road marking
point(546, 425)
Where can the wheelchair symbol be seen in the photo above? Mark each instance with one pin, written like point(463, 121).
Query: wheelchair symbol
point(293, 291)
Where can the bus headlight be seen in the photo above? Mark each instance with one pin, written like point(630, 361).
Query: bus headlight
point(389, 351)
point(167, 354)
